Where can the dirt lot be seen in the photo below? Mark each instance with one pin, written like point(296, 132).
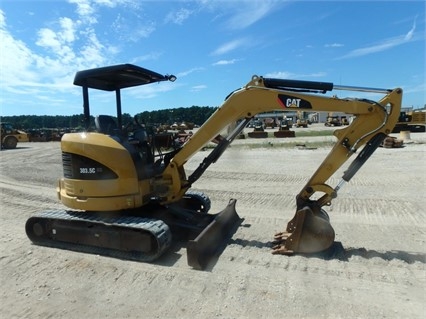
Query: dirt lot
point(379, 217)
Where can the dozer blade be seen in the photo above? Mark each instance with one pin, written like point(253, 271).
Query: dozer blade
point(307, 232)
point(208, 243)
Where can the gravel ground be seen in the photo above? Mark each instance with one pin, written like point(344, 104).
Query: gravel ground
point(379, 217)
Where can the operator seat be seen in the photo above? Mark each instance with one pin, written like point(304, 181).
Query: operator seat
point(140, 152)
point(106, 124)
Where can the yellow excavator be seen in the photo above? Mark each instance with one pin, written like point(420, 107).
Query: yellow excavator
point(129, 196)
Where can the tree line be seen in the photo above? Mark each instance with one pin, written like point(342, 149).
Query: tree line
point(194, 114)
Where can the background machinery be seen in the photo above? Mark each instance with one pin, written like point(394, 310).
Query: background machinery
point(333, 120)
point(258, 130)
point(411, 121)
point(10, 136)
point(127, 195)
point(302, 120)
point(284, 128)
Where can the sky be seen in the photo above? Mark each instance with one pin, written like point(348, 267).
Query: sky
point(213, 47)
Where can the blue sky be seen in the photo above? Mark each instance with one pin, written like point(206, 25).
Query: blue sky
point(213, 47)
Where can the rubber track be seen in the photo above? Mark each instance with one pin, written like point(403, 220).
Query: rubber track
point(157, 228)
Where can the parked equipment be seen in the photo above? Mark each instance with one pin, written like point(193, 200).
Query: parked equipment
point(284, 129)
point(333, 121)
point(411, 121)
point(11, 136)
point(301, 122)
point(128, 197)
point(258, 130)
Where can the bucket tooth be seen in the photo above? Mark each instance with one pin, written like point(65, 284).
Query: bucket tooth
point(209, 242)
point(307, 232)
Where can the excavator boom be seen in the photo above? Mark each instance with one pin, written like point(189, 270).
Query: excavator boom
point(263, 95)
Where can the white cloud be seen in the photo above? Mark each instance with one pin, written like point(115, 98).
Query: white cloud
point(48, 39)
point(187, 72)
point(410, 33)
point(53, 68)
point(2, 19)
point(334, 45)
point(250, 11)
point(419, 88)
point(279, 75)
point(290, 75)
point(16, 59)
point(107, 3)
point(92, 51)
point(132, 32)
point(178, 17)
point(315, 75)
point(68, 29)
point(225, 62)
point(149, 91)
point(58, 42)
point(85, 10)
point(143, 31)
point(240, 14)
point(146, 57)
point(64, 46)
point(197, 88)
point(383, 45)
point(230, 46)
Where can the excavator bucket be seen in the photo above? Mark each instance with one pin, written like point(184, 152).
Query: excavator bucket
point(307, 232)
point(209, 242)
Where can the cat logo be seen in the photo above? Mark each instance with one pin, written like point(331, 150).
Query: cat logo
point(288, 101)
point(292, 102)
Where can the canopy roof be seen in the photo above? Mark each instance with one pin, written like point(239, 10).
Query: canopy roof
point(115, 77)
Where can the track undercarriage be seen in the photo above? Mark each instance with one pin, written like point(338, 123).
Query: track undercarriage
point(139, 235)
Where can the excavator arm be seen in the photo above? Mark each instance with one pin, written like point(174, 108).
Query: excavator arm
point(309, 231)
point(372, 120)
